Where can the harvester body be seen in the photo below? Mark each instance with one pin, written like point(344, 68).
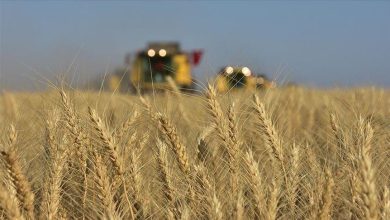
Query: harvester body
point(152, 67)
point(156, 68)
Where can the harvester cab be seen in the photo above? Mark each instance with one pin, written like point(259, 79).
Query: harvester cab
point(152, 67)
point(239, 77)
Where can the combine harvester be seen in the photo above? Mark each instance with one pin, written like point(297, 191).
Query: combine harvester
point(240, 77)
point(156, 68)
point(163, 66)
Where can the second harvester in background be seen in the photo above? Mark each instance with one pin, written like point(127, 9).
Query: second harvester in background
point(240, 77)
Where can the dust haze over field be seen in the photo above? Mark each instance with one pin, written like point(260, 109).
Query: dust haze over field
point(242, 145)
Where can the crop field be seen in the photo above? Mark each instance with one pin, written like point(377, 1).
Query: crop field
point(283, 153)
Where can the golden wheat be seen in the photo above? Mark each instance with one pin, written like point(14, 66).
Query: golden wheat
point(287, 153)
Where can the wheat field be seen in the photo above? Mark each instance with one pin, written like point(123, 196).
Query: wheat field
point(285, 153)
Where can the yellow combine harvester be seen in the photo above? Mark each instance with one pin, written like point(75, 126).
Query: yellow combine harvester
point(232, 78)
point(153, 67)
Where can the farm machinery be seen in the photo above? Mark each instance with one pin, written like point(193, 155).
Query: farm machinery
point(156, 67)
point(240, 77)
point(161, 66)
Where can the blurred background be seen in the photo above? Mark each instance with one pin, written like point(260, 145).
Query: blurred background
point(320, 43)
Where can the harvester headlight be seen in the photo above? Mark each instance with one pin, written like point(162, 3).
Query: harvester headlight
point(229, 70)
point(246, 71)
point(162, 52)
point(151, 52)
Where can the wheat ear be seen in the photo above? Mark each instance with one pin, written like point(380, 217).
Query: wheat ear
point(272, 138)
point(215, 110)
point(327, 197)
point(50, 203)
point(118, 134)
point(170, 131)
point(256, 184)
point(166, 178)
point(386, 204)
point(72, 122)
point(103, 183)
point(179, 96)
point(227, 131)
point(18, 178)
point(272, 209)
point(111, 148)
point(293, 178)
point(135, 183)
point(203, 153)
point(216, 208)
point(164, 171)
point(239, 209)
point(9, 206)
point(107, 140)
point(367, 178)
point(338, 133)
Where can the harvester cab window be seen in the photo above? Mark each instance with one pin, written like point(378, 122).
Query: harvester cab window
point(157, 68)
point(237, 80)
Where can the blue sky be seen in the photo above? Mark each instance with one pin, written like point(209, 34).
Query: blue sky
point(314, 43)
